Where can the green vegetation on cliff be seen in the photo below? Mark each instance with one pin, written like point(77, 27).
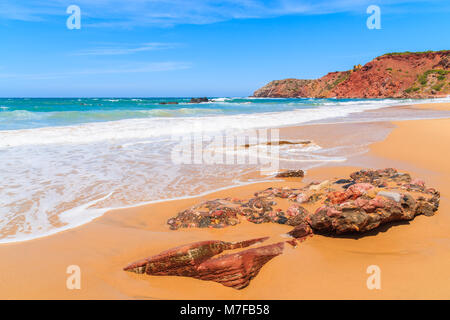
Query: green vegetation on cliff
point(412, 52)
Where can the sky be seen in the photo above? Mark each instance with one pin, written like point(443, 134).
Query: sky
point(185, 48)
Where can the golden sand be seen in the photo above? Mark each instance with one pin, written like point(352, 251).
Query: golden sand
point(414, 257)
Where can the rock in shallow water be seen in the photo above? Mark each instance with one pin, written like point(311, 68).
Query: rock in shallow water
point(199, 100)
point(291, 174)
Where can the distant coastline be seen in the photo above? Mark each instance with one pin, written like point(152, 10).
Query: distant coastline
point(416, 75)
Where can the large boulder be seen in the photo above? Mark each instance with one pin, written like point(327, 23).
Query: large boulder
point(366, 200)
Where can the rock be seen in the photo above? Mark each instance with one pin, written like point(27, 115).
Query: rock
point(301, 231)
point(320, 221)
point(195, 260)
point(360, 207)
point(291, 174)
point(198, 100)
point(364, 214)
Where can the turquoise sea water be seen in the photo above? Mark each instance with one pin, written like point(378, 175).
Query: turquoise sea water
point(64, 162)
point(35, 113)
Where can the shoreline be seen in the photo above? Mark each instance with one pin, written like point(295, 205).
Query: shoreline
point(104, 245)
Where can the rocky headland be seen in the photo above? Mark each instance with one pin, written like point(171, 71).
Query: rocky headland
point(392, 75)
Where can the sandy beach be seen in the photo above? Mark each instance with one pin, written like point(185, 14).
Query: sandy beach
point(414, 257)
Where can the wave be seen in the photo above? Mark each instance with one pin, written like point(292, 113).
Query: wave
point(163, 123)
point(18, 115)
point(220, 99)
point(73, 117)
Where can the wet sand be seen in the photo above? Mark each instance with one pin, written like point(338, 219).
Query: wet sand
point(414, 257)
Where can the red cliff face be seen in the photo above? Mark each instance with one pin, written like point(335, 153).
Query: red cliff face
point(396, 75)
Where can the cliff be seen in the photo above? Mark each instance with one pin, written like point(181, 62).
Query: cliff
point(393, 75)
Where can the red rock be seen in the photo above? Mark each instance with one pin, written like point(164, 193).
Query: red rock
point(347, 206)
point(236, 270)
point(179, 260)
point(301, 231)
point(195, 260)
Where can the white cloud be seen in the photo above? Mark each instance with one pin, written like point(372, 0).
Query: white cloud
point(107, 13)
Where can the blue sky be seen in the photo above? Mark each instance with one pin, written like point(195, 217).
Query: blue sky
point(145, 48)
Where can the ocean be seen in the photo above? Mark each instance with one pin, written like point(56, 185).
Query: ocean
point(64, 162)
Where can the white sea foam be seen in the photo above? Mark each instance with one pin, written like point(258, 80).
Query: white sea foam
point(122, 130)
